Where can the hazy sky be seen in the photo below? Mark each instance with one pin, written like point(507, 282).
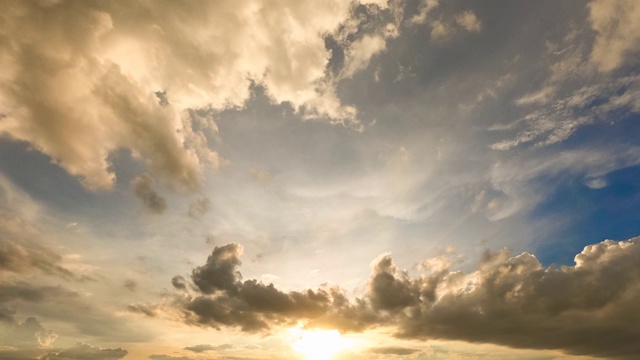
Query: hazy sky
point(420, 179)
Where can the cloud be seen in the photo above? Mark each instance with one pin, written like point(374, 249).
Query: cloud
point(78, 310)
point(574, 94)
point(207, 347)
point(219, 273)
point(179, 282)
point(199, 207)
point(360, 52)
point(596, 183)
point(27, 291)
point(390, 289)
point(143, 189)
point(28, 334)
point(425, 7)
point(557, 121)
point(508, 300)
point(22, 256)
point(617, 32)
point(113, 76)
point(130, 285)
point(393, 351)
point(201, 348)
point(226, 300)
point(22, 242)
point(469, 21)
point(86, 352)
point(168, 357)
point(515, 301)
point(444, 26)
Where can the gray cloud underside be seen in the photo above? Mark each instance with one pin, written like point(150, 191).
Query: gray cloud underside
point(586, 309)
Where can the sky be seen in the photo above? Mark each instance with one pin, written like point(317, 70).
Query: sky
point(319, 179)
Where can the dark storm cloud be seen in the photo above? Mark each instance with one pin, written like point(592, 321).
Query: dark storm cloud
point(143, 189)
point(586, 309)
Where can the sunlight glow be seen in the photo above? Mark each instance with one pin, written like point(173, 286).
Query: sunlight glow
point(319, 344)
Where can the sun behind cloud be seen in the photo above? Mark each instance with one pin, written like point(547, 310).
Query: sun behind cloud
point(319, 344)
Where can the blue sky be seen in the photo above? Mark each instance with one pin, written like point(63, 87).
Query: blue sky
point(401, 179)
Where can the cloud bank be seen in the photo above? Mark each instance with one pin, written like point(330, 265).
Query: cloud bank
point(515, 301)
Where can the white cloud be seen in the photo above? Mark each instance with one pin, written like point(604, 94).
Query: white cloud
point(596, 183)
point(618, 31)
point(426, 6)
point(81, 88)
point(559, 117)
point(469, 21)
point(361, 52)
point(440, 30)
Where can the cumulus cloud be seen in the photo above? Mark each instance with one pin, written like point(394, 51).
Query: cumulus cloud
point(508, 300)
point(618, 32)
point(143, 189)
point(515, 301)
point(251, 305)
point(115, 75)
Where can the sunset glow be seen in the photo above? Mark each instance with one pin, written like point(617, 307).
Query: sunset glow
point(319, 344)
